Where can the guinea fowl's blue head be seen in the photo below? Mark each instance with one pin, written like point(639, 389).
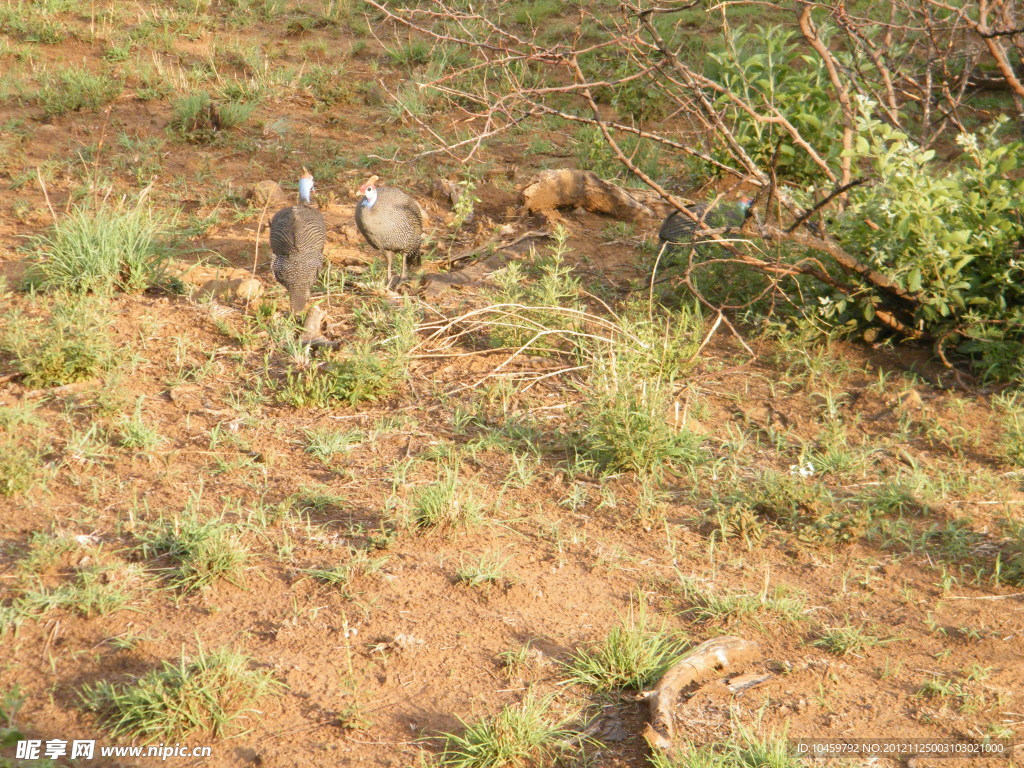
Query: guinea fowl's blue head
point(369, 191)
point(305, 186)
point(745, 203)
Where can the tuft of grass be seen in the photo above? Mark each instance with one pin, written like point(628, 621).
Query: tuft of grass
point(519, 736)
point(101, 247)
point(361, 377)
point(75, 88)
point(445, 503)
point(202, 551)
point(843, 641)
point(209, 693)
point(632, 655)
point(73, 344)
point(360, 563)
point(486, 570)
point(749, 751)
point(198, 118)
point(324, 444)
point(96, 591)
point(135, 433)
point(709, 605)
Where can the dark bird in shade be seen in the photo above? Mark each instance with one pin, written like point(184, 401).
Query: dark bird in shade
point(297, 237)
point(680, 229)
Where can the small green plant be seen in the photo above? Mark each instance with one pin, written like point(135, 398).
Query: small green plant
point(136, 434)
point(197, 118)
point(517, 737)
point(209, 692)
point(202, 551)
point(103, 246)
point(631, 656)
point(488, 569)
point(943, 232)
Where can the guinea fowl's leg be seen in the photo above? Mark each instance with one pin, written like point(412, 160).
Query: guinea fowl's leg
point(389, 255)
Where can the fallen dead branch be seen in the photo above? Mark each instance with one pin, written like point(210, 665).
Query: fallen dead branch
point(697, 665)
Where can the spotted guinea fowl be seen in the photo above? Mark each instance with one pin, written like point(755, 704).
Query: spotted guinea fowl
point(391, 221)
point(680, 229)
point(297, 235)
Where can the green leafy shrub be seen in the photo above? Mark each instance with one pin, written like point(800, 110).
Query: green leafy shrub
point(948, 235)
point(765, 68)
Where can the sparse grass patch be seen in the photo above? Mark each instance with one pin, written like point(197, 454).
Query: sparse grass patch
point(632, 654)
point(73, 344)
point(19, 466)
point(519, 736)
point(202, 551)
point(707, 604)
point(848, 639)
point(209, 693)
point(325, 444)
point(135, 433)
point(95, 591)
point(360, 563)
point(805, 507)
point(197, 118)
point(75, 88)
point(102, 246)
point(1011, 412)
point(750, 751)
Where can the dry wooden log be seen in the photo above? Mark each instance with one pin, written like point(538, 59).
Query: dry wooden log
point(708, 657)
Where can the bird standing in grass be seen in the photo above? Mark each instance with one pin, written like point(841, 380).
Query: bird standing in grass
point(297, 236)
point(391, 221)
point(680, 229)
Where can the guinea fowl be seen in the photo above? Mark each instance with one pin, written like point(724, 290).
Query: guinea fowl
point(297, 236)
point(391, 221)
point(680, 229)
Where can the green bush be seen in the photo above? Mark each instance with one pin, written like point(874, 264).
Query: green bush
point(765, 68)
point(950, 235)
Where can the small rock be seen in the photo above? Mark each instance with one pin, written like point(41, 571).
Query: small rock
point(785, 711)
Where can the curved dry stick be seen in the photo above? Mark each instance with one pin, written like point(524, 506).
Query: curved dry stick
point(696, 666)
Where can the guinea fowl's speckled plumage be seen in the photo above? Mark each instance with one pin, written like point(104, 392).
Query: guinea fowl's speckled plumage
point(393, 223)
point(297, 236)
point(679, 229)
